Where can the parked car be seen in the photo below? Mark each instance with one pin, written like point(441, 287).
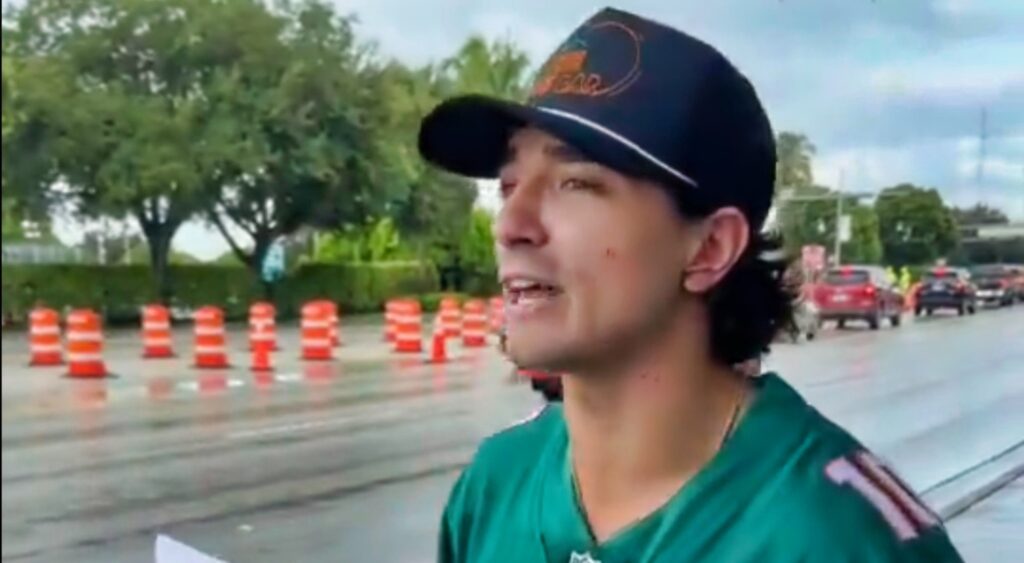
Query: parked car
point(946, 288)
point(1017, 280)
point(997, 285)
point(859, 293)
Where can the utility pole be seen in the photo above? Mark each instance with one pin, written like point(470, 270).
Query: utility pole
point(839, 220)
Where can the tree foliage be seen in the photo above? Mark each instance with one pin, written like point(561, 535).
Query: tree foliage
point(794, 157)
point(813, 222)
point(497, 68)
point(980, 214)
point(113, 103)
point(295, 125)
point(915, 225)
point(379, 241)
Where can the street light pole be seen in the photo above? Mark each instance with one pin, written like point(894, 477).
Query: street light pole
point(839, 231)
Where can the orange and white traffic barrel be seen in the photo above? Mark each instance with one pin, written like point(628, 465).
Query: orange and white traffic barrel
point(316, 332)
point(262, 359)
point(262, 327)
point(497, 314)
point(451, 317)
point(438, 347)
point(408, 327)
point(44, 338)
point(156, 332)
point(390, 324)
point(85, 346)
point(211, 339)
point(474, 324)
point(335, 322)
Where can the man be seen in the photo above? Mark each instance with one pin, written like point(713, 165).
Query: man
point(549, 385)
point(635, 183)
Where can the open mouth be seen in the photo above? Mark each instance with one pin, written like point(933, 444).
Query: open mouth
point(528, 292)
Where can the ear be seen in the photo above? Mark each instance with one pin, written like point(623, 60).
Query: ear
point(726, 234)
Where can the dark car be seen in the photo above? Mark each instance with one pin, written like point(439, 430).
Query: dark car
point(859, 293)
point(946, 288)
point(997, 285)
point(1018, 280)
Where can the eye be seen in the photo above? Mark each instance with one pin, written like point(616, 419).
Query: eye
point(577, 184)
point(506, 188)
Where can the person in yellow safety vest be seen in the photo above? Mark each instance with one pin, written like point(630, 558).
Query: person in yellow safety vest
point(890, 276)
point(905, 280)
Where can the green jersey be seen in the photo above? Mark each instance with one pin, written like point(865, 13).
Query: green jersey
point(788, 486)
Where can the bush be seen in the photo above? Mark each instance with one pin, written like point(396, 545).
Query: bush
point(357, 288)
point(120, 291)
point(431, 302)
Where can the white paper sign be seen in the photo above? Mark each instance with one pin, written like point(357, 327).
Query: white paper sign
point(169, 550)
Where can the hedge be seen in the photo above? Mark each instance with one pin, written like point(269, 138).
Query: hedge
point(119, 291)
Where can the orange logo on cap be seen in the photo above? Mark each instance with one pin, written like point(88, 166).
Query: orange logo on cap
point(567, 72)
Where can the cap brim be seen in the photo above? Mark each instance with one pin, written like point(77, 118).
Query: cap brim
point(469, 135)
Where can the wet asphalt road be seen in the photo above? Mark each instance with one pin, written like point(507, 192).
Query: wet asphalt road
point(352, 460)
point(993, 531)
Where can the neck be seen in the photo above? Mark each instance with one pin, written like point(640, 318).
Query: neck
point(644, 430)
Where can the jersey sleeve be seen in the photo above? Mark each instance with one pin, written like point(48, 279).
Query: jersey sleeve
point(874, 517)
point(452, 537)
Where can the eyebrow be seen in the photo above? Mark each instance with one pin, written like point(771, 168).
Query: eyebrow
point(565, 153)
point(556, 150)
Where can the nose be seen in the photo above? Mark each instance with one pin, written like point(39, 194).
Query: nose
point(519, 223)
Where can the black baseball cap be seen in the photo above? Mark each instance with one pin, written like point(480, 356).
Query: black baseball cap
point(637, 96)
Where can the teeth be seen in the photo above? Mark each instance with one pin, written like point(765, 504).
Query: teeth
point(527, 285)
point(521, 284)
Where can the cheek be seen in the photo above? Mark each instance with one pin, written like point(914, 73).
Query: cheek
point(617, 275)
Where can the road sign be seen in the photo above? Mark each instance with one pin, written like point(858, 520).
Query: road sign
point(273, 263)
point(813, 257)
point(845, 228)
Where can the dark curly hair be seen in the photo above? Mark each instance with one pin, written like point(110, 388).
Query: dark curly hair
point(755, 301)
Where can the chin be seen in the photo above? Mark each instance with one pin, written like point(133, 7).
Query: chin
point(538, 354)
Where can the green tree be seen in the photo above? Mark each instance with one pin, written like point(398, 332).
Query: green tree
point(498, 68)
point(980, 214)
point(11, 225)
point(809, 218)
point(477, 252)
point(8, 85)
point(915, 225)
point(794, 156)
point(378, 241)
point(113, 93)
point(865, 245)
point(434, 213)
point(27, 170)
point(297, 130)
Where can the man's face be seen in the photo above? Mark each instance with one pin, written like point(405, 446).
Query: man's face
point(591, 261)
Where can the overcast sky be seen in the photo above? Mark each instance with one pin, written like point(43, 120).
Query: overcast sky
point(888, 90)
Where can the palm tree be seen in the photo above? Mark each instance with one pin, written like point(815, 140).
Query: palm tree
point(495, 69)
point(793, 168)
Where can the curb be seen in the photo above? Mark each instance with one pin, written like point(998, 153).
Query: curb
point(959, 493)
